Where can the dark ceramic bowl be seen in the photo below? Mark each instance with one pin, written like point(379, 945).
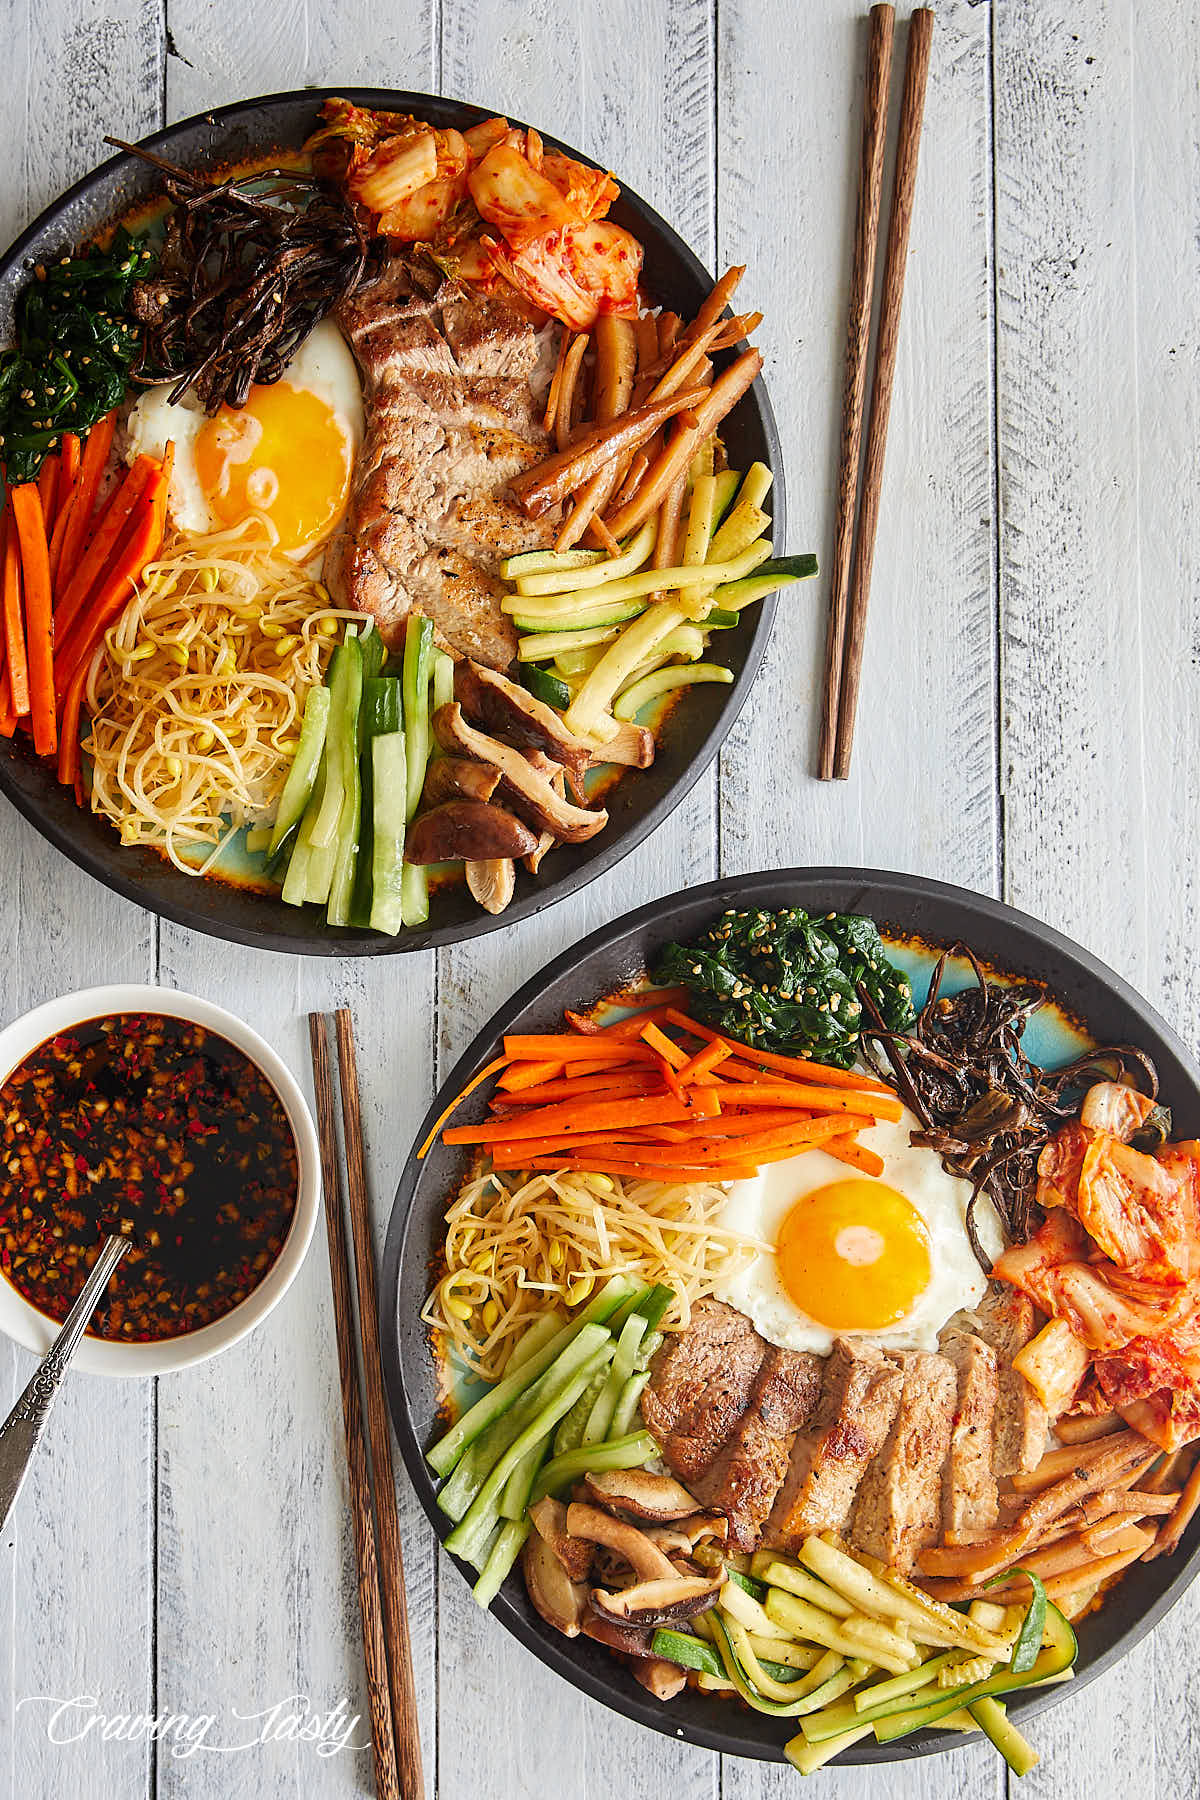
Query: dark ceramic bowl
point(905, 907)
point(692, 733)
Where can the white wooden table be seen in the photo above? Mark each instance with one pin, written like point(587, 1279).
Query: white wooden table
point(1028, 728)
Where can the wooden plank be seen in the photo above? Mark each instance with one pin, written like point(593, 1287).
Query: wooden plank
point(630, 86)
point(76, 1590)
point(922, 789)
point(276, 1614)
point(1099, 432)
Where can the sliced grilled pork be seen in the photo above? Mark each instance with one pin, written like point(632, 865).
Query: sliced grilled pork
point(899, 1505)
point(451, 417)
point(969, 1500)
point(1007, 1322)
point(747, 1472)
point(700, 1385)
point(860, 1391)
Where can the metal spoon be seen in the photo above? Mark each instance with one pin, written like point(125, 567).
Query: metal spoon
point(21, 1432)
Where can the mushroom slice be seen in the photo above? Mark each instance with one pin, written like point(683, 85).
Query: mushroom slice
point(549, 1520)
point(644, 1558)
point(680, 1537)
point(472, 829)
point(547, 841)
point(458, 778)
point(525, 788)
point(661, 1678)
point(642, 1493)
point(560, 1601)
point(658, 1602)
point(632, 747)
point(504, 706)
point(628, 1640)
point(493, 882)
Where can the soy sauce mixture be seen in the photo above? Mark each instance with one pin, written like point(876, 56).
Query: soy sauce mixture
point(161, 1130)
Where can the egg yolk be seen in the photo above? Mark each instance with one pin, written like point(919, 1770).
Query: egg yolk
point(854, 1255)
point(286, 454)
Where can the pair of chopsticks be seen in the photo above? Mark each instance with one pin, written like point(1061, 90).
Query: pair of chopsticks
point(851, 589)
point(391, 1693)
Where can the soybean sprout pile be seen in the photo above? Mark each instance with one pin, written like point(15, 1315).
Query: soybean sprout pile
point(197, 693)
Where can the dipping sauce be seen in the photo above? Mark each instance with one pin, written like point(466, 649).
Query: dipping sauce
point(163, 1131)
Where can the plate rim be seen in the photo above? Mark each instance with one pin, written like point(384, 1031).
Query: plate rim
point(733, 890)
point(323, 940)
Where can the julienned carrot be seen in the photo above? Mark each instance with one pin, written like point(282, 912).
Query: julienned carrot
point(68, 730)
point(91, 467)
point(737, 1125)
point(663, 1046)
point(141, 543)
point(15, 661)
point(68, 471)
point(527, 1075)
point(653, 1010)
point(644, 1171)
point(47, 487)
point(813, 1131)
point(788, 1065)
point(755, 1093)
point(704, 1062)
point(857, 1155)
point(93, 565)
point(572, 1048)
point(8, 718)
point(496, 1063)
point(610, 1086)
point(29, 519)
point(595, 1115)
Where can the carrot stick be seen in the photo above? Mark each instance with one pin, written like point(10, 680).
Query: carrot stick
point(527, 1075)
point(704, 1061)
point(598, 1115)
point(788, 1065)
point(30, 523)
point(572, 1048)
point(769, 1093)
point(659, 1042)
point(857, 1155)
point(68, 471)
point(47, 487)
point(91, 568)
point(497, 1062)
point(68, 735)
point(745, 1125)
point(16, 662)
point(58, 536)
point(643, 1171)
point(608, 1085)
point(140, 544)
point(8, 717)
point(91, 468)
point(652, 1013)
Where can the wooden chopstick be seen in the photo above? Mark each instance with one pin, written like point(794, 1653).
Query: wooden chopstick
point(858, 336)
point(912, 112)
point(379, 1700)
point(387, 1522)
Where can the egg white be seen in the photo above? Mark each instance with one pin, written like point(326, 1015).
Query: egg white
point(757, 1208)
point(323, 365)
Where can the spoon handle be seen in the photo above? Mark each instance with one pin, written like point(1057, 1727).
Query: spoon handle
point(22, 1431)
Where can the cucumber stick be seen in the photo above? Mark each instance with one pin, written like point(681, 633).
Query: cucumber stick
point(346, 747)
point(389, 774)
point(302, 776)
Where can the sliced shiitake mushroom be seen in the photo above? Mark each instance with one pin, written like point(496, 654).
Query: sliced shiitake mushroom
point(641, 1492)
point(492, 882)
point(549, 1520)
point(458, 778)
point(560, 1601)
point(661, 1678)
point(527, 790)
point(470, 829)
point(627, 1640)
point(644, 1558)
point(661, 1601)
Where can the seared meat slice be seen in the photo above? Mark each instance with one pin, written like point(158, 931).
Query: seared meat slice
point(1007, 1322)
point(969, 1500)
point(747, 1472)
point(898, 1510)
point(860, 1391)
point(700, 1385)
point(451, 417)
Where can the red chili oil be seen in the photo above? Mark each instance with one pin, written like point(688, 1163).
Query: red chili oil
point(161, 1130)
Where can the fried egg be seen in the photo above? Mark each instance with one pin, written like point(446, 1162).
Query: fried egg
point(884, 1259)
point(287, 455)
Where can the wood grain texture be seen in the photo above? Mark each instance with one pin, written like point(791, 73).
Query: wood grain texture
point(1098, 321)
point(922, 793)
point(217, 1508)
